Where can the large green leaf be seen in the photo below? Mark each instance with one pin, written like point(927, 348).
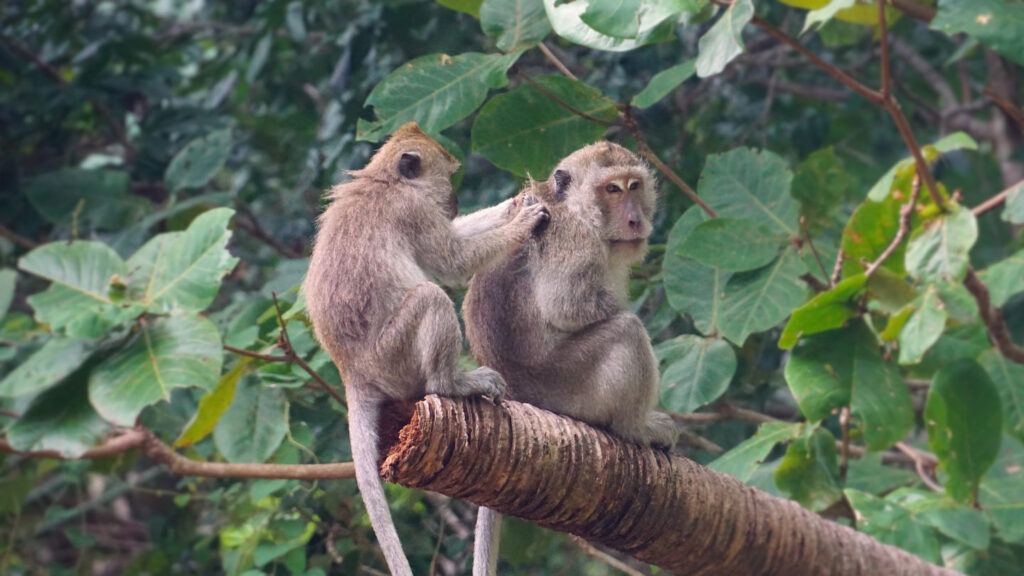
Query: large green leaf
point(904, 169)
point(615, 18)
point(78, 301)
point(744, 183)
point(1013, 210)
point(182, 270)
point(1003, 500)
point(809, 472)
point(94, 199)
point(743, 460)
point(923, 328)
point(1004, 278)
point(663, 83)
point(254, 425)
point(997, 23)
point(199, 161)
point(819, 185)
point(964, 421)
point(954, 519)
point(57, 359)
point(939, 252)
point(8, 281)
point(514, 24)
point(699, 372)
point(526, 132)
point(845, 367)
point(724, 41)
point(757, 300)
point(893, 524)
point(436, 91)
point(869, 232)
point(213, 404)
point(59, 419)
point(691, 287)
point(166, 353)
point(826, 311)
point(868, 474)
point(653, 23)
point(735, 244)
point(1008, 378)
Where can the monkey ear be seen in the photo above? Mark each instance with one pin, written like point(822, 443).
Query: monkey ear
point(562, 181)
point(409, 165)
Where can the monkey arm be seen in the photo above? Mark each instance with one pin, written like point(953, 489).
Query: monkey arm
point(452, 258)
point(483, 220)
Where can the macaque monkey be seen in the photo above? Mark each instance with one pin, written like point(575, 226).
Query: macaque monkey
point(553, 319)
point(391, 331)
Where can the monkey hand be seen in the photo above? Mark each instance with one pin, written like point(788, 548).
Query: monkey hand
point(531, 220)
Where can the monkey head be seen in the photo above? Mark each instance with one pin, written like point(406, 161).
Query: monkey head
point(610, 188)
point(410, 157)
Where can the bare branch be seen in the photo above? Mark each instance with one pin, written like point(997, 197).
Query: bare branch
point(995, 200)
point(556, 62)
point(993, 319)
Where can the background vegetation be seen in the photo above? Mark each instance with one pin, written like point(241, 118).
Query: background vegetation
point(840, 333)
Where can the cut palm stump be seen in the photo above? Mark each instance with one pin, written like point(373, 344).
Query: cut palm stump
point(665, 510)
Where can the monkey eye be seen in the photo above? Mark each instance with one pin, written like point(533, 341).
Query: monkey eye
point(634, 184)
point(612, 189)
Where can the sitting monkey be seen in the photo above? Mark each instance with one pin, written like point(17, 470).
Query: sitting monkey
point(392, 332)
point(553, 319)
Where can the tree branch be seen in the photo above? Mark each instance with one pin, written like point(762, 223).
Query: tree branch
point(995, 200)
point(669, 511)
point(906, 211)
point(993, 319)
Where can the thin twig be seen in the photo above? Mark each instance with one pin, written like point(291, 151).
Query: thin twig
point(814, 250)
point(883, 35)
point(285, 342)
point(251, 225)
point(920, 465)
point(906, 211)
point(995, 200)
point(128, 440)
point(837, 268)
point(1007, 106)
point(993, 318)
point(608, 559)
point(561, 102)
point(844, 443)
point(700, 442)
point(556, 62)
point(257, 355)
point(16, 238)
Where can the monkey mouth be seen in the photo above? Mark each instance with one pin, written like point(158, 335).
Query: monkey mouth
point(626, 241)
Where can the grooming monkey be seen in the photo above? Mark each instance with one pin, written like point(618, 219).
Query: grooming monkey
point(553, 319)
point(392, 332)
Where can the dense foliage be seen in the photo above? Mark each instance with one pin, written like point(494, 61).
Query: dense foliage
point(164, 161)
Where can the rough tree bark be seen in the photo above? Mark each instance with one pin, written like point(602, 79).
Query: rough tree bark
point(668, 511)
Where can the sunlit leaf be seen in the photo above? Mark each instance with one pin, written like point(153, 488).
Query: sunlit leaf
point(663, 83)
point(724, 41)
point(760, 299)
point(213, 404)
point(939, 252)
point(654, 24)
point(923, 327)
point(746, 183)
point(699, 371)
point(743, 460)
point(514, 24)
point(826, 311)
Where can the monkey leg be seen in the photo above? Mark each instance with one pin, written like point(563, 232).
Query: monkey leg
point(422, 341)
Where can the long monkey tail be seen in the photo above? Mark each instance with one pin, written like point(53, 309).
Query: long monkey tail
point(485, 545)
point(363, 414)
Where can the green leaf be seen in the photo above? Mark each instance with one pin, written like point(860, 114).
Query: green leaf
point(964, 421)
point(471, 7)
point(213, 404)
point(745, 183)
point(826, 311)
point(616, 18)
point(653, 24)
point(1008, 378)
point(815, 18)
point(724, 41)
point(96, 199)
point(514, 24)
point(78, 302)
point(1013, 210)
point(939, 252)
point(526, 132)
point(905, 167)
point(700, 372)
point(183, 270)
point(923, 328)
point(1003, 500)
point(59, 419)
point(963, 523)
point(760, 299)
point(743, 460)
point(809, 472)
point(8, 280)
point(199, 161)
point(893, 524)
point(691, 287)
point(663, 83)
point(997, 23)
point(819, 185)
point(166, 353)
point(57, 359)
point(436, 91)
point(735, 244)
point(254, 425)
point(1004, 278)
point(868, 474)
point(869, 232)
point(890, 292)
point(845, 367)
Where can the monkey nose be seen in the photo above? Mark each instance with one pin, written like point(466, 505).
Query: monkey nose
point(634, 223)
